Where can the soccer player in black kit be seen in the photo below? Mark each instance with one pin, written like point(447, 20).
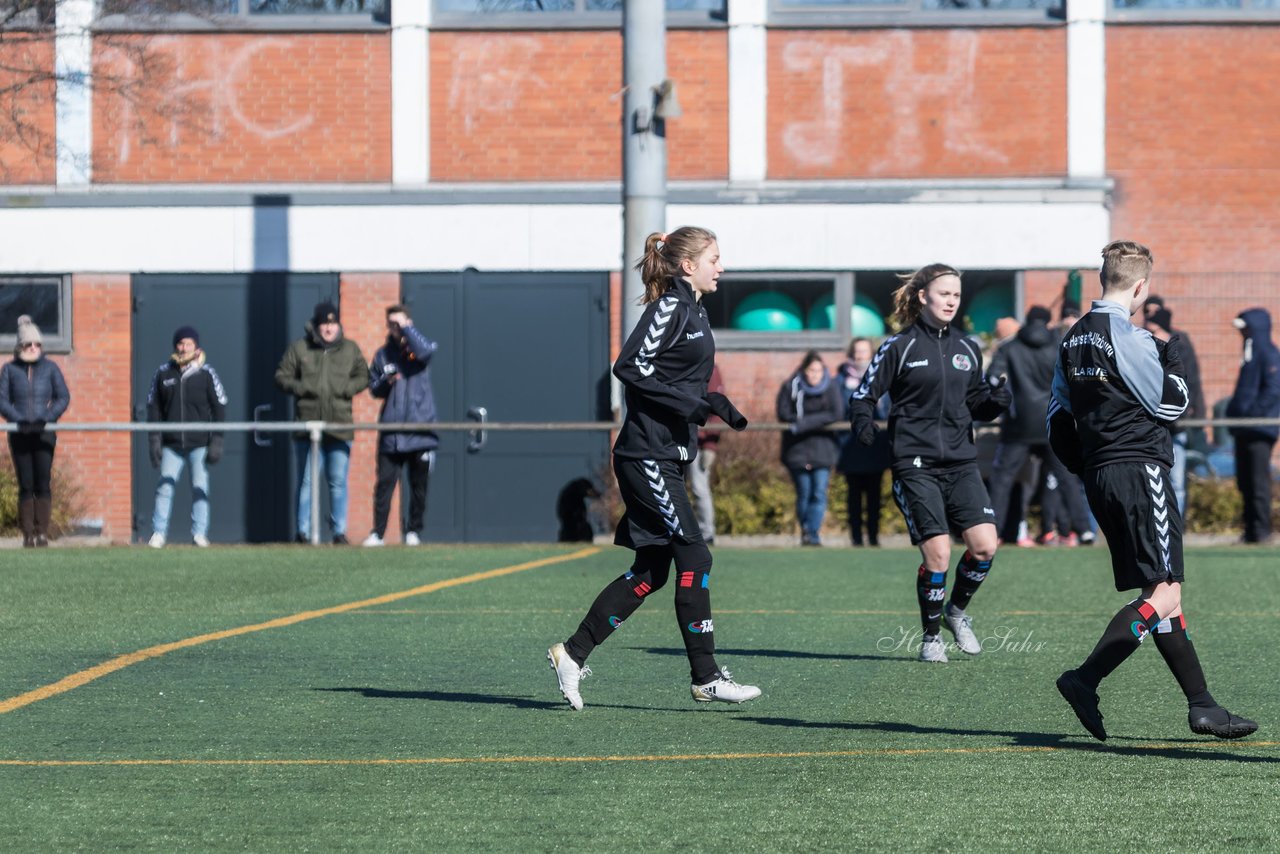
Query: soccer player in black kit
point(933, 375)
point(1117, 392)
point(664, 367)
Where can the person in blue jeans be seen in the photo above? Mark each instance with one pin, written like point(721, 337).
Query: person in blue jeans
point(184, 389)
point(810, 400)
point(324, 371)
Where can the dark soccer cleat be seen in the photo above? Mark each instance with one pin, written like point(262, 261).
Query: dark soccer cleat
point(1083, 701)
point(1217, 721)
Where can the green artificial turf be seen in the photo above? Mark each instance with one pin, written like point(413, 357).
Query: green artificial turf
point(433, 722)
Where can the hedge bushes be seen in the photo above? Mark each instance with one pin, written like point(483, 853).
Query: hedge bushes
point(67, 503)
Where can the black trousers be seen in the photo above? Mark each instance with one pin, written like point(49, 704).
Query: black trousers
point(1253, 477)
point(389, 467)
point(864, 486)
point(32, 455)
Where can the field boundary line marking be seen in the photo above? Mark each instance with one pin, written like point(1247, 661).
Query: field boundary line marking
point(83, 677)
point(677, 757)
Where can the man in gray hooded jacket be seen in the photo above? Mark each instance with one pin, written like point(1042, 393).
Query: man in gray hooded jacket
point(401, 377)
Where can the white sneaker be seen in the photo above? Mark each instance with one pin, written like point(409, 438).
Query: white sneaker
point(412, 539)
point(156, 541)
point(961, 626)
point(568, 674)
point(372, 540)
point(201, 541)
point(933, 649)
point(724, 690)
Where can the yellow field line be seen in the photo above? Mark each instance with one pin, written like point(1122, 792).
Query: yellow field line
point(75, 680)
point(679, 757)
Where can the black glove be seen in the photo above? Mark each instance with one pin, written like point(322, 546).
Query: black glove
point(155, 452)
point(31, 427)
point(1000, 393)
point(214, 453)
point(1171, 356)
point(864, 429)
point(723, 409)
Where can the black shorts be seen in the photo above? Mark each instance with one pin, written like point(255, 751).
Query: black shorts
point(942, 501)
point(1136, 510)
point(658, 509)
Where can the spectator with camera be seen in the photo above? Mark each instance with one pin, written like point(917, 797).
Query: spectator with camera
point(401, 378)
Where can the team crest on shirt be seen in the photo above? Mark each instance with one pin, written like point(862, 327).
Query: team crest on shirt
point(961, 362)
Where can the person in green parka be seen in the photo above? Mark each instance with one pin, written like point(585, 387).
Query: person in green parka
point(324, 371)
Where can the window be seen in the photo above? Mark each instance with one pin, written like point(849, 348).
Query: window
point(47, 299)
point(804, 13)
point(1194, 10)
point(211, 10)
point(790, 311)
point(566, 13)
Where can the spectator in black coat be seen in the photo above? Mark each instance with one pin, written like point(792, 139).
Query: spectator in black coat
point(1257, 395)
point(863, 466)
point(32, 394)
point(809, 400)
point(1028, 360)
point(1159, 322)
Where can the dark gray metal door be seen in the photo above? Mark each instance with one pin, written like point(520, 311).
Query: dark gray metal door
point(245, 322)
point(519, 347)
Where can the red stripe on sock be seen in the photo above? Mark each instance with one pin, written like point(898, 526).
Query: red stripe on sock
point(686, 579)
point(1148, 613)
point(642, 589)
point(1182, 622)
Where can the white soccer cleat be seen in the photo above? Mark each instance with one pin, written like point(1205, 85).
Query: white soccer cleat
point(412, 539)
point(568, 674)
point(723, 689)
point(156, 541)
point(201, 541)
point(961, 626)
point(373, 540)
point(933, 649)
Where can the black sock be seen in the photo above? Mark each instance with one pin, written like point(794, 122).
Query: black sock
point(619, 600)
point(693, 613)
point(1127, 629)
point(931, 590)
point(1180, 655)
point(970, 573)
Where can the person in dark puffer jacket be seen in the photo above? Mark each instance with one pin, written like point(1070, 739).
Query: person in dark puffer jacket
point(1257, 395)
point(32, 394)
point(184, 389)
point(401, 379)
point(809, 400)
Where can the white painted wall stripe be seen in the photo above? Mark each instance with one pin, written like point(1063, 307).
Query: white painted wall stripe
point(1086, 89)
point(73, 64)
point(410, 92)
point(748, 92)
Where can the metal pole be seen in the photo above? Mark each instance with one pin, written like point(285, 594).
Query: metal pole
point(644, 142)
point(314, 461)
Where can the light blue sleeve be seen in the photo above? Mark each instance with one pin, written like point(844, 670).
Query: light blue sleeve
point(1138, 362)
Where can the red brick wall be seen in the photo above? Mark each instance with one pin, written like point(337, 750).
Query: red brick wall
point(27, 111)
point(917, 103)
point(97, 374)
point(546, 106)
point(1193, 143)
point(234, 107)
point(365, 297)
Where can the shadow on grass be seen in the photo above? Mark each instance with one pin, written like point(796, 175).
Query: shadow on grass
point(485, 699)
point(778, 653)
point(1033, 739)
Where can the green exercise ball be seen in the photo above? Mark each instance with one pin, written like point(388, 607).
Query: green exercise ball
point(989, 305)
point(768, 311)
point(865, 318)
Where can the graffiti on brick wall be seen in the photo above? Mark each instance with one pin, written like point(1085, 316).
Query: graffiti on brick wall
point(206, 91)
point(819, 141)
point(493, 75)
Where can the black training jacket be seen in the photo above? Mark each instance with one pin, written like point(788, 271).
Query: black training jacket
point(1116, 392)
point(664, 368)
point(192, 395)
point(937, 389)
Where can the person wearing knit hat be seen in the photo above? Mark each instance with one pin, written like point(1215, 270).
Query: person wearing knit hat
point(324, 371)
point(33, 393)
point(184, 389)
